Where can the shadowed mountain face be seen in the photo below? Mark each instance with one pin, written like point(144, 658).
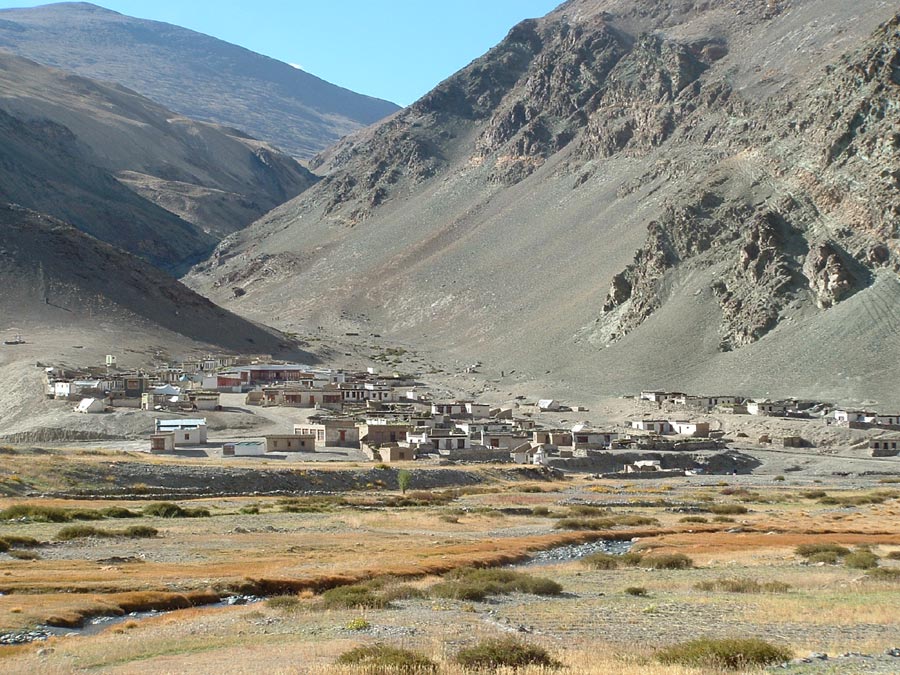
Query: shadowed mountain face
point(194, 74)
point(129, 171)
point(54, 275)
point(621, 194)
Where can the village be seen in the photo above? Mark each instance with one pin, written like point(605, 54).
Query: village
point(395, 417)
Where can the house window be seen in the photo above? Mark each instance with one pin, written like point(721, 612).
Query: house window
point(187, 437)
point(461, 443)
point(275, 444)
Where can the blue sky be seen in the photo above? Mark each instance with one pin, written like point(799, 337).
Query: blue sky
point(393, 49)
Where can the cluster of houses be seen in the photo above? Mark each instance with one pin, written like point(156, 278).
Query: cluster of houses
point(95, 393)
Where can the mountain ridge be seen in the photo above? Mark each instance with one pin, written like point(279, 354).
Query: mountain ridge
point(652, 150)
point(194, 74)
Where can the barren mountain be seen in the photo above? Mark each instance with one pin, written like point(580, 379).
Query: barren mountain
point(194, 74)
point(57, 279)
point(72, 148)
point(624, 193)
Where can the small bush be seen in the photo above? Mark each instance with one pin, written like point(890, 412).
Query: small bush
point(170, 510)
point(382, 659)
point(672, 561)
point(884, 574)
point(356, 596)
point(39, 514)
point(4, 546)
point(727, 509)
point(24, 555)
point(723, 519)
point(602, 561)
point(532, 488)
point(637, 591)
point(505, 653)
point(730, 653)
point(250, 510)
point(85, 514)
point(739, 585)
point(118, 512)
point(861, 560)
point(893, 555)
point(540, 511)
point(474, 585)
point(693, 519)
point(140, 532)
point(19, 541)
point(809, 550)
point(79, 532)
point(358, 624)
point(814, 494)
point(825, 557)
point(779, 478)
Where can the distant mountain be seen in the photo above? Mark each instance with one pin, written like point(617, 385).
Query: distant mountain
point(129, 171)
point(624, 193)
point(193, 74)
point(57, 277)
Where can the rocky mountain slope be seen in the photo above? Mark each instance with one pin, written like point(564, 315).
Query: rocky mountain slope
point(621, 194)
point(110, 161)
point(194, 74)
point(56, 277)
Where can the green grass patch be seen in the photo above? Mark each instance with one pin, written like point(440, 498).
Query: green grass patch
point(478, 584)
point(669, 561)
point(821, 552)
point(727, 509)
point(505, 652)
point(861, 560)
point(693, 519)
point(356, 596)
point(728, 653)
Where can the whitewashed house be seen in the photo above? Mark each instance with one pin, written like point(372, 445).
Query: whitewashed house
point(187, 431)
point(91, 406)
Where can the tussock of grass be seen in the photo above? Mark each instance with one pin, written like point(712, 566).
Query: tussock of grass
point(811, 550)
point(861, 560)
point(693, 519)
point(602, 561)
point(477, 584)
point(669, 561)
point(505, 653)
point(727, 509)
point(24, 555)
point(19, 541)
point(893, 555)
point(741, 585)
point(118, 512)
point(728, 653)
point(383, 659)
point(170, 510)
point(885, 574)
point(286, 603)
point(814, 494)
point(85, 531)
point(357, 596)
point(637, 591)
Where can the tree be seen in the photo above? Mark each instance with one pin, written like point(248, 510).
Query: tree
point(403, 479)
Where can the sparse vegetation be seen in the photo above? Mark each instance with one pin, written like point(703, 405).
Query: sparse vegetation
point(693, 519)
point(477, 584)
point(728, 653)
point(284, 603)
point(637, 591)
point(742, 585)
point(404, 478)
point(357, 624)
point(670, 561)
point(604, 523)
point(84, 531)
point(386, 660)
point(727, 509)
point(809, 551)
point(170, 510)
point(505, 653)
point(357, 596)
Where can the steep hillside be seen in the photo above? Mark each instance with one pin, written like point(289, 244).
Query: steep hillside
point(194, 74)
point(215, 178)
point(621, 194)
point(55, 278)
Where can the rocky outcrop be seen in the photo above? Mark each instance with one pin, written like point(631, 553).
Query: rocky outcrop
point(828, 274)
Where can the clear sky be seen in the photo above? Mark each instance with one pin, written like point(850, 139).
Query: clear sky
point(392, 49)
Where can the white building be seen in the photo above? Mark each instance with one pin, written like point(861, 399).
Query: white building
point(244, 449)
point(91, 406)
point(187, 431)
point(652, 426)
